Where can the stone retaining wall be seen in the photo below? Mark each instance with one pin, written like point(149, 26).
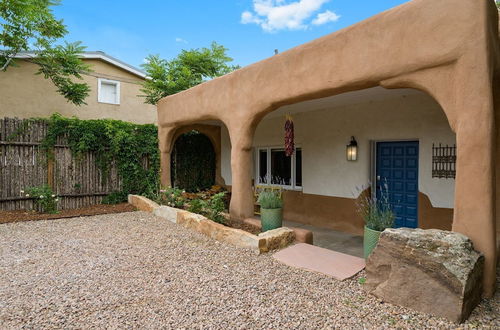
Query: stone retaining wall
point(264, 242)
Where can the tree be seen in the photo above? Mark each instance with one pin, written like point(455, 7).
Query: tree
point(27, 25)
point(498, 4)
point(188, 69)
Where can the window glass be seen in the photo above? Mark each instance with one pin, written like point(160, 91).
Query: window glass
point(281, 168)
point(298, 167)
point(263, 166)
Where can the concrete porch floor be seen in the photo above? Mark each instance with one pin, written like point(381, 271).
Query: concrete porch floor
point(333, 240)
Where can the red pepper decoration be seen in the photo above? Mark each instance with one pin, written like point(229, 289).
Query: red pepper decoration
point(289, 136)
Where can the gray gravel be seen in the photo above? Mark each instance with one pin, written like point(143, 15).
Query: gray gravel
point(134, 270)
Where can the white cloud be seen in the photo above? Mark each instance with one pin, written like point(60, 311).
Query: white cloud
point(180, 40)
point(274, 15)
point(325, 17)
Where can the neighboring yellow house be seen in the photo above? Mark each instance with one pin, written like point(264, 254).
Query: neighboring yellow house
point(115, 87)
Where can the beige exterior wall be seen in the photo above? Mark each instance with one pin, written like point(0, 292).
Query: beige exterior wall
point(324, 134)
point(24, 94)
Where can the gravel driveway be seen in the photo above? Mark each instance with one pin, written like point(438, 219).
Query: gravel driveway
point(134, 270)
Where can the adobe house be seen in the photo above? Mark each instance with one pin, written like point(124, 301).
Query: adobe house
point(409, 85)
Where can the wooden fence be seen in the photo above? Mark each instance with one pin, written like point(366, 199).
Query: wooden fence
point(23, 164)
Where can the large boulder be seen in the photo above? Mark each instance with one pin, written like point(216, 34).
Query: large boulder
point(431, 271)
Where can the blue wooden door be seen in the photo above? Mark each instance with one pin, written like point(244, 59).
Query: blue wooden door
point(397, 165)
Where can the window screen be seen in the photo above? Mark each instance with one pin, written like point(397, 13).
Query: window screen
point(108, 92)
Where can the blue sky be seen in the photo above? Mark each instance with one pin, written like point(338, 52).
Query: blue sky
point(250, 29)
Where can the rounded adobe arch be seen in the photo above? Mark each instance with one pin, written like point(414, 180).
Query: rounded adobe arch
point(213, 133)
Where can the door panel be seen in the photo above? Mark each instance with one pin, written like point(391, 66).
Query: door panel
point(397, 165)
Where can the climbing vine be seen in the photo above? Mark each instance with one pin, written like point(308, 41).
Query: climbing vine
point(128, 145)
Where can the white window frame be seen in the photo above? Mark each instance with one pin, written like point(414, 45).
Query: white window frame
point(268, 149)
point(111, 82)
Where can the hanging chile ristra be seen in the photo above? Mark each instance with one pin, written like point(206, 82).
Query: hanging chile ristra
point(289, 136)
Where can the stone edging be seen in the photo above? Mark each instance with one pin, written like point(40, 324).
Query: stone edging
point(264, 242)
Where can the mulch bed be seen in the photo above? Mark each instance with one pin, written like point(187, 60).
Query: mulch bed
point(243, 226)
point(15, 216)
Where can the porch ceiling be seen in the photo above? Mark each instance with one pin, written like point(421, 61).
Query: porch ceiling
point(362, 96)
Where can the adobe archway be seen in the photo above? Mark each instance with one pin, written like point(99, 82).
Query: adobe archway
point(213, 133)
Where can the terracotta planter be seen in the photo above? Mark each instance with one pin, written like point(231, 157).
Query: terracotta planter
point(370, 240)
point(271, 218)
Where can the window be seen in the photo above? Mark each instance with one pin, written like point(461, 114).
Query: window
point(275, 168)
point(108, 91)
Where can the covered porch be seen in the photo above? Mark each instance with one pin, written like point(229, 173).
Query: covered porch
point(422, 45)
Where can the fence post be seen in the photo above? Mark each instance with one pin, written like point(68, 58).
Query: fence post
point(50, 169)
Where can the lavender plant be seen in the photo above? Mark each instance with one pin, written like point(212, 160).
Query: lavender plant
point(376, 212)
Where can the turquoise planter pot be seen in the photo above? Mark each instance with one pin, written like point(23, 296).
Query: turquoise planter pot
point(271, 218)
point(370, 240)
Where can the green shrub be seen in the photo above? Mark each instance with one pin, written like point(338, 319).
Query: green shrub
point(215, 207)
point(197, 206)
point(270, 200)
point(43, 197)
point(377, 212)
point(173, 197)
point(116, 197)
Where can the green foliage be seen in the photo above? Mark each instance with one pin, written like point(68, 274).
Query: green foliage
point(270, 200)
point(362, 280)
point(215, 207)
point(196, 206)
point(116, 197)
point(212, 208)
point(376, 212)
point(173, 197)
point(44, 198)
point(498, 4)
point(30, 24)
point(188, 69)
point(193, 162)
point(110, 141)
point(60, 64)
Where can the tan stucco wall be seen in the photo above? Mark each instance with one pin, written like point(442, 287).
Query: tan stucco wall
point(449, 49)
point(24, 94)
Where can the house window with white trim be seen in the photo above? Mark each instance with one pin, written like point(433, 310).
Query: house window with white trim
point(108, 91)
point(275, 168)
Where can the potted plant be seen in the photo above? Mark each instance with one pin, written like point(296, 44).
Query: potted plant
point(377, 214)
point(271, 210)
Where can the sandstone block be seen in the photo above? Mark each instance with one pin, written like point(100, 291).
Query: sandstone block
point(276, 239)
point(303, 235)
point(142, 203)
point(236, 237)
point(167, 212)
point(253, 222)
point(431, 271)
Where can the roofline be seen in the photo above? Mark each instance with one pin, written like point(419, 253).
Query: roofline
point(97, 55)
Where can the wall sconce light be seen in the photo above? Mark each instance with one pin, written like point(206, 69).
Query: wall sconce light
point(352, 150)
